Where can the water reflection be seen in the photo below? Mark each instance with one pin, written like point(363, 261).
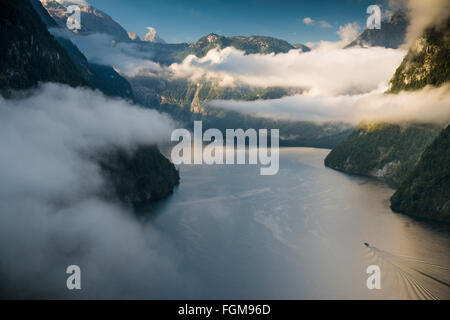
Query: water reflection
point(299, 234)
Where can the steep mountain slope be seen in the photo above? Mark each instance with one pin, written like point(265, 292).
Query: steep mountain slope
point(383, 150)
point(92, 19)
point(405, 153)
point(427, 62)
point(391, 35)
point(29, 53)
point(425, 192)
point(140, 178)
point(100, 77)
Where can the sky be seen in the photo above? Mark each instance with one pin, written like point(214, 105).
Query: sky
point(186, 21)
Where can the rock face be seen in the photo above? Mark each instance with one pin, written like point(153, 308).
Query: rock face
point(425, 192)
point(391, 35)
point(104, 78)
point(29, 53)
point(140, 177)
point(427, 62)
point(382, 150)
point(152, 36)
point(92, 19)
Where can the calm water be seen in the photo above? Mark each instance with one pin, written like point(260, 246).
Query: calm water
point(297, 235)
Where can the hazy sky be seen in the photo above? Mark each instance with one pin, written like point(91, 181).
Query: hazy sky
point(181, 20)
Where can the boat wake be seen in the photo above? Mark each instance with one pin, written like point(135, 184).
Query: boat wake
point(409, 277)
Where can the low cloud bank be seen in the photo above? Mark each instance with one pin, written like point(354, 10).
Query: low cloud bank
point(332, 72)
point(426, 105)
point(102, 49)
point(328, 69)
point(50, 214)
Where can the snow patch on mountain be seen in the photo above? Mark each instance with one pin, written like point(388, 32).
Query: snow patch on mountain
point(152, 36)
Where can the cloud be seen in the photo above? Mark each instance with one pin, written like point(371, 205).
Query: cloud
point(50, 214)
point(426, 105)
point(423, 14)
point(102, 49)
point(322, 71)
point(69, 2)
point(324, 24)
point(308, 21)
point(347, 34)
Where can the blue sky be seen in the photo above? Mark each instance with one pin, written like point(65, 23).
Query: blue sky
point(183, 21)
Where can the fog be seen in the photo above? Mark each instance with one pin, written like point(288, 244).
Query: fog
point(52, 214)
point(102, 49)
point(423, 15)
point(426, 105)
point(334, 71)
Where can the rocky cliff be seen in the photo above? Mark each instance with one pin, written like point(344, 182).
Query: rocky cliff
point(425, 192)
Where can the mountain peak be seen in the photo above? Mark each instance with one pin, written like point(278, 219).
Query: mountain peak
point(391, 35)
point(152, 36)
point(133, 36)
point(93, 20)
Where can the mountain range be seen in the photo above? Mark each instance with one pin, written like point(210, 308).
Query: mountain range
point(94, 20)
point(400, 153)
point(186, 100)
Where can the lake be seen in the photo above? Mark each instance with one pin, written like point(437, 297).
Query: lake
point(299, 234)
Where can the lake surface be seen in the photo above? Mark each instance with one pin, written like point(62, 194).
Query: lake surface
point(299, 234)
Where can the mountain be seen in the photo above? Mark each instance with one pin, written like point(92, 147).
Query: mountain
point(29, 52)
point(133, 36)
point(302, 47)
point(382, 150)
point(413, 156)
point(152, 36)
point(391, 35)
point(252, 44)
point(104, 78)
point(93, 20)
point(167, 54)
point(140, 178)
point(425, 192)
point(427, 62)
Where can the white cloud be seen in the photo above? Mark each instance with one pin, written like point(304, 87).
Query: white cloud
point(426, 105)
point(102, 49)
point(49, 204)
point(69, 2)
point(324, 24)
point(423, 14)
point(308, 21)
point(332, 71)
